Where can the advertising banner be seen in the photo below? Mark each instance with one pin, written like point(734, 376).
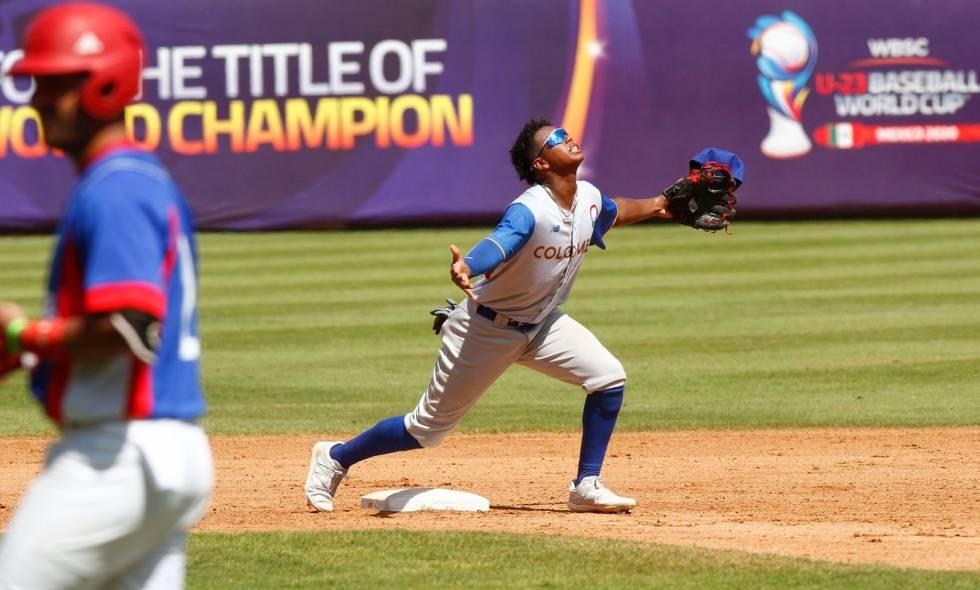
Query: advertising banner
point(308, 114)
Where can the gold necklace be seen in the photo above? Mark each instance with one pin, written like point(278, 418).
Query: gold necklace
point(566, 215)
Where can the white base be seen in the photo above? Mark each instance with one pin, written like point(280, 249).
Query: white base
point(415, 499)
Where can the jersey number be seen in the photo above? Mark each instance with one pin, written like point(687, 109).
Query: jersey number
point(190, 344)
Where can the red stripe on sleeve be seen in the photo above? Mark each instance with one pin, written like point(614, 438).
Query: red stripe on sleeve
point(128, 295)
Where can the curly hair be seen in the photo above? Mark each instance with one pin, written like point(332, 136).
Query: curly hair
point(520, 153)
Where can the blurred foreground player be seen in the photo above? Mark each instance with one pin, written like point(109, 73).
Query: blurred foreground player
point(512, 315)
point(115, 358)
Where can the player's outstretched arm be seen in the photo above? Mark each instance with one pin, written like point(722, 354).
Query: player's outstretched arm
point(635, 210)
point(88, 337)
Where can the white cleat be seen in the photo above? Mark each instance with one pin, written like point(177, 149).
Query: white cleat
point(591, 496)
point(322, 479)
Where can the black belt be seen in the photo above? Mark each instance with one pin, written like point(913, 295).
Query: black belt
point(492, 316)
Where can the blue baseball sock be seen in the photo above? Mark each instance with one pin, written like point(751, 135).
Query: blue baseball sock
point(385, 437)
point(598, 421)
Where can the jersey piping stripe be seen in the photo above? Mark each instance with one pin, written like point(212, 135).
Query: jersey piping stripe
point(68, 302)
point(110, 150)
point(170, 257)
point(141, 383)
point(495, 243)
point(123, 164)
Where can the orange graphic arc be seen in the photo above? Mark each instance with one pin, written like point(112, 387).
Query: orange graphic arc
point(580, 90)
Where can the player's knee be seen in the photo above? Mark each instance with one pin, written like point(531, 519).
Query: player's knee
point(429, 439)
point(611, 376)
point(428, 434)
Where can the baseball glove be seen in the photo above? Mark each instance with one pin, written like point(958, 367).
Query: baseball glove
point(705, 198)
point(441, 314)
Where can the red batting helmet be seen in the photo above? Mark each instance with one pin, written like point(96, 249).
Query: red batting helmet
point(86, 38)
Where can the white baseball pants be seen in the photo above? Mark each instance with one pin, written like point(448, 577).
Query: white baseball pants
point(475, 353)
point(110, 509)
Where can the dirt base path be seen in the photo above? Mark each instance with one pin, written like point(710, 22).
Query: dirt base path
point(908, 498)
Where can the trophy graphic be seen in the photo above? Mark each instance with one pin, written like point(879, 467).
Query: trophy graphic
point(786, 53)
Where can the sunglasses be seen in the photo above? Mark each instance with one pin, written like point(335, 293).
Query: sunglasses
point(555, 138)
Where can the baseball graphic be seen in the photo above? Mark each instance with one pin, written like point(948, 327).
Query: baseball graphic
point(786, 53)
point(785, 45)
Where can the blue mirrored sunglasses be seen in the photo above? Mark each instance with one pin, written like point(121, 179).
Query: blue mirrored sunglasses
point(556, 137)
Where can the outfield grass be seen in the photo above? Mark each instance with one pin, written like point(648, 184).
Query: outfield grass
point(780, 324)
point(397, 559)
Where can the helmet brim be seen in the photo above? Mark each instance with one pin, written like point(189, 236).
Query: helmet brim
point(40, 66)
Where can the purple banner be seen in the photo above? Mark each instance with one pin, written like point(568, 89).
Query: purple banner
point(334, 114)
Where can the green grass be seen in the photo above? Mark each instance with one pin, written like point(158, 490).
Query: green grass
point(396, 559)
point(781, 324)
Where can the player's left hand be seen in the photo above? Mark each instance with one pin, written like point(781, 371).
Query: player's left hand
point(460, 272)
point(705, 198)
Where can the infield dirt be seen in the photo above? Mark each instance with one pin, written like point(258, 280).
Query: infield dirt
point(904, 497)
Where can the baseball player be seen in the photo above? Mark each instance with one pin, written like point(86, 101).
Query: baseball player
point(512, 315)
point(115, 358)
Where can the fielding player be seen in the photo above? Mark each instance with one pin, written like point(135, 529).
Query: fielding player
point(116, 354)
point(529, 264)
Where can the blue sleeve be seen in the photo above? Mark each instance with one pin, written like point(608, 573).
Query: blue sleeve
point(604, 221)
point(123, 252)
point(510, 235)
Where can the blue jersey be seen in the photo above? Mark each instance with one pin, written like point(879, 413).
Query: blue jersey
point(125, 242)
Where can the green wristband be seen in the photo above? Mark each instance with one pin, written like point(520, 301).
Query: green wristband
point(14, 328)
